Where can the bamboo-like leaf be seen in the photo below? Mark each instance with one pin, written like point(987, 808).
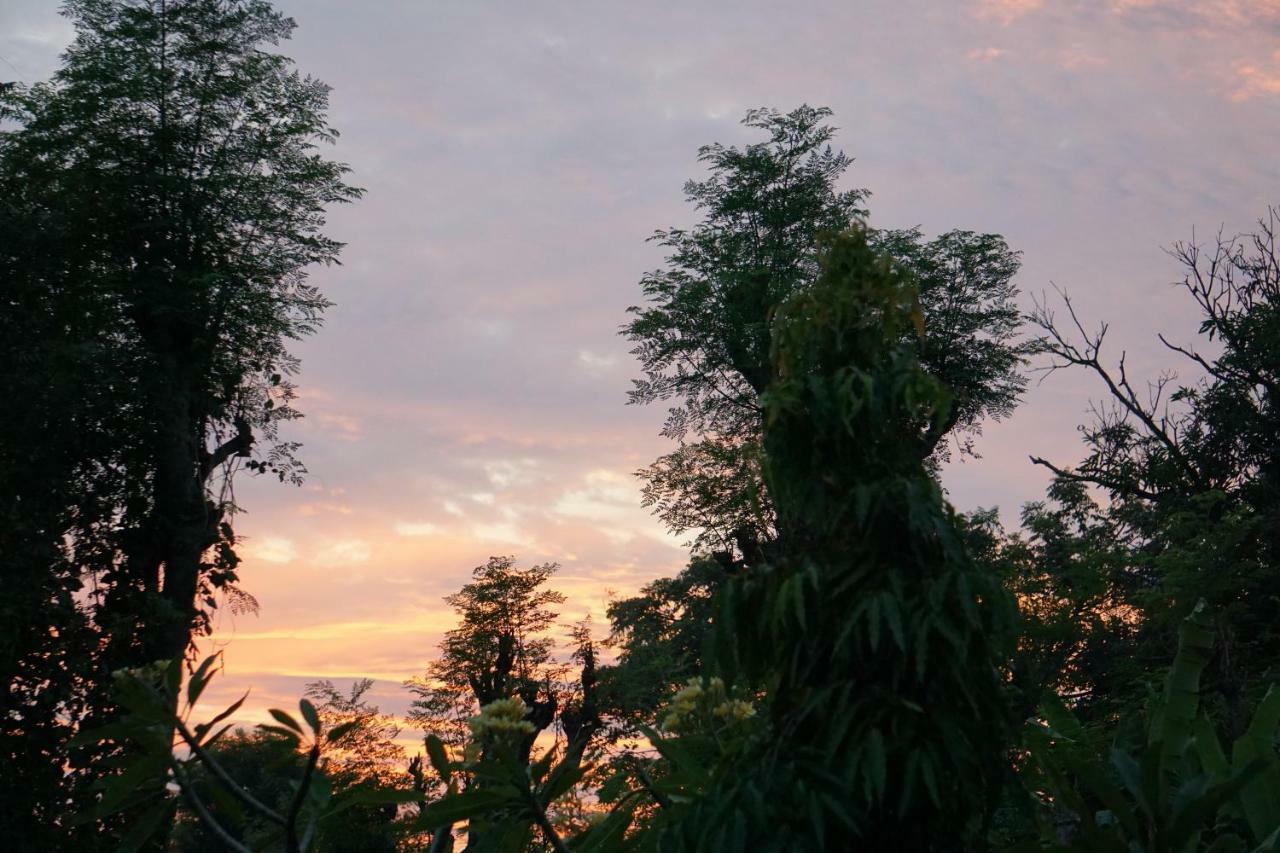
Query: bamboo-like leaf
point(459, 807)
point(338, 731)
point(309, 714)
point(284, 719)
point(199, 679)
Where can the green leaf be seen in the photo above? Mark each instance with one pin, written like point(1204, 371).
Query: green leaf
point(875, 755)
point(606, 836)
point(227, 712)
point(173, 677)
point(1258, 799)
point(199, 679)
point(1209, 748)
point(286, 720)
point(562, 779)
point(338, 731)
point(309, 714)
point(439, 758)
point(459, 807)
point(146, 826)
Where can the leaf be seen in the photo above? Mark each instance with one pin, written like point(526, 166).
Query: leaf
point(141, 780)
point(562, 779)
point(338, 731)
point(146, 826)
point(280, 730)
point(876, 763)
point(309, 714)
point(1258, 799)
point(227, 712)
point(1181, 700)
point(199, 679)
point(458, 807)
point(173, 677)
point(606, 835)
point(1208, 747)
point(439, 758)
point(285, 719)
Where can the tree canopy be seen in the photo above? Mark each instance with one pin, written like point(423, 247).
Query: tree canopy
point(703, 337)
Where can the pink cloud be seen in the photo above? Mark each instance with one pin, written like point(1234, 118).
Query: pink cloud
point(1256, 80)
point(1007, 11)
point(984, 54)
point(1079, 60)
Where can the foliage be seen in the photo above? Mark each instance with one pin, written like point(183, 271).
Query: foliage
point(873, 638)
point(163, 199)
point(1189, 470)
point(291, 813)
point(496, 686)
point(659, 634)
point(1068, 570)
point(499, 650)
point(1176, 790)
point(704, 336)
point(369, 752)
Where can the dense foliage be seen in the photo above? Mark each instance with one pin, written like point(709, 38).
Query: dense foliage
point(162, 199)
point(845, 662)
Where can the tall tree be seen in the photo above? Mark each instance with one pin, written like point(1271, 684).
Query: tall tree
point(877, 641)
point(167, 197)
point(703, 337)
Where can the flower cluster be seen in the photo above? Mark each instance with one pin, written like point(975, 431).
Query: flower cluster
point(698, 700)
point(501, 722)
point(734, 709)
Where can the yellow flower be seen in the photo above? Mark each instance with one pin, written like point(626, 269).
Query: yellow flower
point(501, 720)
point(734, 709)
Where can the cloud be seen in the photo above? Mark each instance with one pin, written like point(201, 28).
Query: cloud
point(342, 427)
point(1256, 80)
point(501, 533)
point(984, 54)
point(606, 496)
point(270, 549)
point(596, 364)
point(322, 508)
point(1007, 11)
point(343, 552)
point(1081, 60)
point(505, 473)
point(418, 528)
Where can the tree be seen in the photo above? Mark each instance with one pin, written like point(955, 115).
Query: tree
point(163, 200)
point(703, 338)
point(659, 635)
point(1190, 470)
point(1067, 568)
point(496, 686)
point(876, 644)
point(370, 754)
point(500, 650)
point(178, 153)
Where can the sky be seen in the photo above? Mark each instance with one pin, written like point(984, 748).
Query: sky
point(466, 396)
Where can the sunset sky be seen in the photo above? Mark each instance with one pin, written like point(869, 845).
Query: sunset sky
point(467, 394)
